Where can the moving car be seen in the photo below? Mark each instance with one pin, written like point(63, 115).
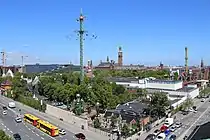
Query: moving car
point(4, 108)
point(62, 132)
point(4, 112)
point(11, 105)
point(18, 119)
point(16, 136)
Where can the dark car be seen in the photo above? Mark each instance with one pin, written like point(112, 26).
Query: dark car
point(4, 107)
point(80, 136)
point(150, 137)
point(17, 136)
point(172, 137)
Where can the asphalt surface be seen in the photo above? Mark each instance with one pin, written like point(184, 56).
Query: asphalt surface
point(70, 129)
point(189, 121)
point(26, 130)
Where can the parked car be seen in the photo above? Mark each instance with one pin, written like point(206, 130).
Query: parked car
point(178, 124)
point(17, 136)
point(161, 136)
point(156, 132)
point(172, 137)
point(150, 137)
point(172, 128)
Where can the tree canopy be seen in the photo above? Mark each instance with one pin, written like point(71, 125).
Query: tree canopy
point(63, 87)
point(3, 136)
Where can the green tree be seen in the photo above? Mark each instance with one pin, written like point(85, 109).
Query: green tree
point(125, 130)
point(96, 123)
point(176, 76)
point(159, 103)
point(3, 136)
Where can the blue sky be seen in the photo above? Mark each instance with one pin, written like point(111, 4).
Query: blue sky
point(149, 31)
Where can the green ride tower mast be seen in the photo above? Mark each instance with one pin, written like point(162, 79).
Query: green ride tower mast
point(81, 38)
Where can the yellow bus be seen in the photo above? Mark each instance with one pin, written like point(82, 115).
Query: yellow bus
point(31, 119)
point(47, 128)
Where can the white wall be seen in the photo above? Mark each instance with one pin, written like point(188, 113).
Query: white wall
point(66, 116)
point(164, 85)
point(131, 84)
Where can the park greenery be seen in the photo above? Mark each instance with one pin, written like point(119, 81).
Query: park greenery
point(63, 87)
point(3, 136)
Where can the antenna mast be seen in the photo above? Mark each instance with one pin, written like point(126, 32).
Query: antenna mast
point(186, 60)
point(3, 61)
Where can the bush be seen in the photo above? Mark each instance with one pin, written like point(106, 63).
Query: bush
point(3, 136)
point(32, 103)
point(29, 101)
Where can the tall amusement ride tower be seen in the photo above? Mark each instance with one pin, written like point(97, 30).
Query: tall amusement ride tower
point(81, 38)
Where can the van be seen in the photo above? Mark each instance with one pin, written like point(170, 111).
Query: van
point(11, 105)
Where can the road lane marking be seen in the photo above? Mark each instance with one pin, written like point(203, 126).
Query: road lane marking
point(42, 138)
point(8, 129)
point(2, 124)
point(37, 135)
point(11, 132)
point(29, 129)
point(196, 121)
point(5, 126)
point(32, 131)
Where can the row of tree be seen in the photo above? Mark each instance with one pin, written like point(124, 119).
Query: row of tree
point(3, 136)
point(64, 87)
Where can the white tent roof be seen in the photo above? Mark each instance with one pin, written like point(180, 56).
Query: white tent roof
point(10, 73)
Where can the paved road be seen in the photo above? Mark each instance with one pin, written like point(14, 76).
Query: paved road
point(27, 132)
point(70, 128)
point(193, 119)
point(184, 119)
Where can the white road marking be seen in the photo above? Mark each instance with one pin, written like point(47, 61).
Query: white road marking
point(2, 124)
point(32, 131)
point(11, 132)
point(29, 129)
point(42, 138)
point(196, 121)
point(8, 129)
point(5, 126)
point(37, 135)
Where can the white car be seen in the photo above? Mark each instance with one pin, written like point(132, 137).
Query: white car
point(178, 124)
point(4, 112)
point(156, 132)
point(18, 119)
point(173, 128)
point(62, 132)
point(161, 136)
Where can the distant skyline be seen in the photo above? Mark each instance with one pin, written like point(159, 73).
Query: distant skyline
point(149, 31)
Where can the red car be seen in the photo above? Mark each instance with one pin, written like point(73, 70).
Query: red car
point(163, 128)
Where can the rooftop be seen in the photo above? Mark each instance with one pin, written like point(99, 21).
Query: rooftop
point(163, 81)
point(200, 132)
point(122, 79)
